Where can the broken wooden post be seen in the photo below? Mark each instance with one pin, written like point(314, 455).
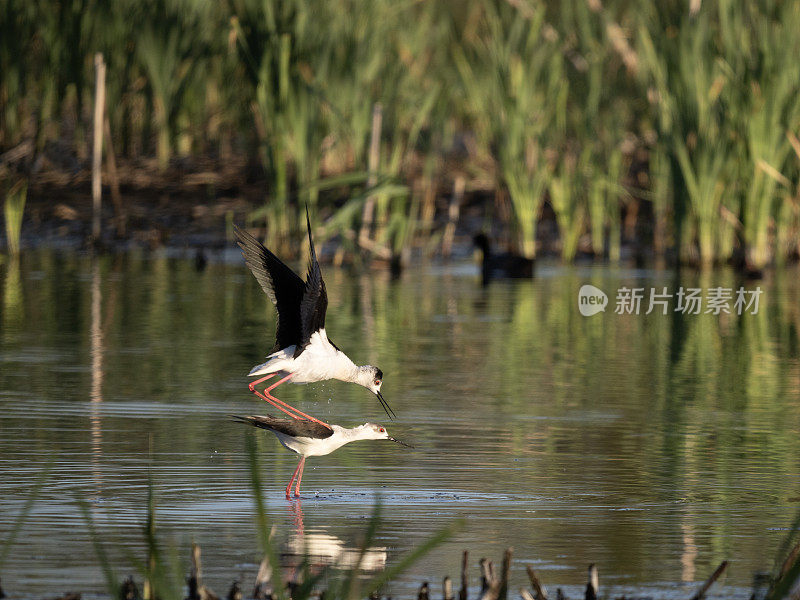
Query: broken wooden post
point(539, 592)
point(263, 588)
point(791, 558)
point(197, 591)
point(463, 593)
point(490, 584)
point(235, 593)
point(128, 590)
point(194, 581)
point(447, 588)
point(485, 575)
point(423, 592)
point(502, 591)
point(592, 584)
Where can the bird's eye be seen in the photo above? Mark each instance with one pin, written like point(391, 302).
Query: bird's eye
point(377, 382)
point(382, 430)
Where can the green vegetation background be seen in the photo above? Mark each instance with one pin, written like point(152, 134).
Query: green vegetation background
point(684, 115)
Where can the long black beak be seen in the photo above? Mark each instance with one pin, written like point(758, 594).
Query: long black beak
point(399, 442)
point(385, 405)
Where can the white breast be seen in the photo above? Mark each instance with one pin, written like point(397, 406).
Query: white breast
point(320, 361)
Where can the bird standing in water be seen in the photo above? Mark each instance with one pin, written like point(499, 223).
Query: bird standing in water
point(311, 438)
point(505, 265)
point(302, 352)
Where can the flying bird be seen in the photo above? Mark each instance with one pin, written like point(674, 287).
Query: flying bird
point(302, 352)
point(310, 438)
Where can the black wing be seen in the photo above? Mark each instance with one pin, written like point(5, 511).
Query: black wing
point(292, 427)
point(283, 286)
point(315, 299)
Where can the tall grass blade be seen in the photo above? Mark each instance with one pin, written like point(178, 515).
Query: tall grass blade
point(414, 555)
point(262, 521)
point(112, 584)
point(33, 495)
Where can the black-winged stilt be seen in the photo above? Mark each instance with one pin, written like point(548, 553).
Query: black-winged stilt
point(302, 352)
point(310, 438)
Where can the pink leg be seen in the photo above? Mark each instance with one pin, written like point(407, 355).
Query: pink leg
point(299, 478)
point(279, 404)
point(253, 384)
point(274, 385)
point(291, 481)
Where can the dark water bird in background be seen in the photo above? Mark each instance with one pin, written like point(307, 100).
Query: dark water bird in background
point(505, 265)
point(200, 260)
point(655, 446)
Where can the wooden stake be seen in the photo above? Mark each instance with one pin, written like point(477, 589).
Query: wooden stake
point(791, 558)
point(490, 584)
point(263, 589)
point(485, 575)
point(195, 575)
point(538, 589)
point(710, 581)
point(97, 146)
point(503, 590)
point(593, 583)
point(235, 593)
point(423, 592)
point(128, 590)
point(463, 593)
point(447, 589)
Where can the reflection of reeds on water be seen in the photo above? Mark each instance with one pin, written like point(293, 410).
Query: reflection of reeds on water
point(13, 298)
point(315, 578)
point(96, 391)
point(14, 208)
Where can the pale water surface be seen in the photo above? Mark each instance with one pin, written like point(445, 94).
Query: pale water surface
point(654, 446)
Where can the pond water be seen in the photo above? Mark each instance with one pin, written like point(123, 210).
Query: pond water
point(655, 446)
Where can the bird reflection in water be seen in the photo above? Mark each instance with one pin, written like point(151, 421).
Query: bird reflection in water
point(320, 549)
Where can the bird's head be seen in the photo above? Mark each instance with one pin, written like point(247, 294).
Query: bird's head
point(372, 379)
point(372, 431)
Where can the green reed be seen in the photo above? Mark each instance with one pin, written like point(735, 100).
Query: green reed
point(514, 91)
point(501, 91)
point(170, 59)
point(725, 97)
